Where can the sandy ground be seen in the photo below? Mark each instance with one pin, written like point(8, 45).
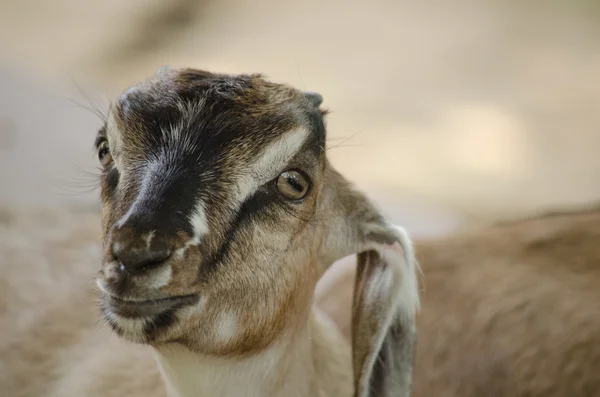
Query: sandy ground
point(445, 112)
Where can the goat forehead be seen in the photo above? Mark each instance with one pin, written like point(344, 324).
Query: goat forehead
point(211, 107)
point(209, 120)
point(200, 116)
point(193, 135)
point(179, 152)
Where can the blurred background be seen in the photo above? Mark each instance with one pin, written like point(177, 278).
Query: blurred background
point(447, 112)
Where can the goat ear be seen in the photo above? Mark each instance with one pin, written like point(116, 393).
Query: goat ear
point(386, 295)
point(314, 98)
point(383, 319)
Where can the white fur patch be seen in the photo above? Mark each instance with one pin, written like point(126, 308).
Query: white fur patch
point(199, 221)
point(180, 252)
point(408, 294)
point(200, 227)
point(271, 161)
point(402, 253)
point(410, 284)
point(148, 238)
point(161, 277)
point(189, 374)
point(227, 328)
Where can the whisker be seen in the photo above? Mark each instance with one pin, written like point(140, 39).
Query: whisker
point(86, 182)
point(93, 105)
point(343, 139)
point(341, 145)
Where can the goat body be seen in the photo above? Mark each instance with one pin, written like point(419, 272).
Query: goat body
point(220, 215)
point(510, 310)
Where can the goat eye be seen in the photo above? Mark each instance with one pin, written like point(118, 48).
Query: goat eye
point(104, 153)
point(293, 185)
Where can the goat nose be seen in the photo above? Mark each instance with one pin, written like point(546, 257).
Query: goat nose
point(137, 260)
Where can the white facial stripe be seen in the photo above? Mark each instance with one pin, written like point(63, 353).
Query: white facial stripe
point(198, 220)
point(271, 161)
point(200, 227)
point(148, 238)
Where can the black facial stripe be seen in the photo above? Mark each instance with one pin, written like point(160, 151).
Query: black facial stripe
point(261, 199)
point(160, 322)
point(168, 198)
point(165, 319)
point(111, 178)
point(267, 195)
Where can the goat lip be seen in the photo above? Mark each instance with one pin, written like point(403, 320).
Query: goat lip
point(146, 308)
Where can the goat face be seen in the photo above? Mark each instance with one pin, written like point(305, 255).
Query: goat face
point(210, 191)
point(221, 212)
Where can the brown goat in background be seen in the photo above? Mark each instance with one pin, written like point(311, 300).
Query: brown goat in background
point(511, 310)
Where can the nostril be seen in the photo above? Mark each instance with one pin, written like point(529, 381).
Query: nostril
point(137, 261)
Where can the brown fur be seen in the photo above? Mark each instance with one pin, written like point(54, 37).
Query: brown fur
point(511, 310)
point(252, 112)
point(210, 265)
point(53, 342)
point(507, 311)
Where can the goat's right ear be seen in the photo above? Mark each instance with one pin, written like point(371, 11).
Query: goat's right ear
point(386, 294)
point(314, 98)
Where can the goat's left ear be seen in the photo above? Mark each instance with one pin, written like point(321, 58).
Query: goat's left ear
point(383, 317)
point(386, 295)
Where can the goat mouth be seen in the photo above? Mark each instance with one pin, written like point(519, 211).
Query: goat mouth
point(146, 308)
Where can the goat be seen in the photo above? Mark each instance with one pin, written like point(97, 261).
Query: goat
point(220, 212)
point(508, 310)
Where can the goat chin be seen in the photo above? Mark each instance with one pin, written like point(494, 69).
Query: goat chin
point(510, 310)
